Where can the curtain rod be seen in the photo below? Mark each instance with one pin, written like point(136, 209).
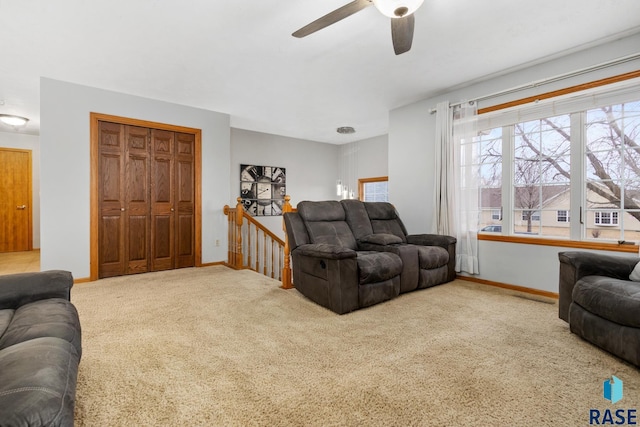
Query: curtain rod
point(536, 83)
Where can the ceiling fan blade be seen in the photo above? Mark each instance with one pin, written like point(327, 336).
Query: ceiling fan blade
point(332, 17)
point(402, 33)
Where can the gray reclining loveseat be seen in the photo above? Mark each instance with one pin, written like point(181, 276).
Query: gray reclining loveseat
point(40, 349)
point(351, 254)
point(600, 302)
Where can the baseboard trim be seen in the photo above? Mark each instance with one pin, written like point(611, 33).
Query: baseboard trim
point(511, 287)
point(210, 264)
point(82, 280)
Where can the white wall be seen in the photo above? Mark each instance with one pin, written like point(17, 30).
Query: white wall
point(411, 154)
point(65, 167)
point(367, 158)
point(311, 167)
point(28, 142)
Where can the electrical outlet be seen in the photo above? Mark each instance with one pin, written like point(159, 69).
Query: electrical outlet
point(217, 242)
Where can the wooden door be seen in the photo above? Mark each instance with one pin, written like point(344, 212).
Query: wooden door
point(146, 199)
point(136, 204)
point(123, 197)
point(162, 200)
point(111, 166)
point(15, 200)
point(185, 200)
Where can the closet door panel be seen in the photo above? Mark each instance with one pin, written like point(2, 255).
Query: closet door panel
point(137, 226)
point(185, 171)
point(111, 200)
point(163, 200)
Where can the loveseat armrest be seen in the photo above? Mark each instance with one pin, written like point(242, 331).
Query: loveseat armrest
point(22, 288)
point(574, 265)
point(325, 250)
point(446, 242)
point(431, 240)
point(327, 275)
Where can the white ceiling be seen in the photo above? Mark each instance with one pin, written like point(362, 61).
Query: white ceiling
point(238, 57)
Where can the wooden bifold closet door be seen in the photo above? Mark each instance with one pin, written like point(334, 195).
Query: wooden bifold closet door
point(146, 199)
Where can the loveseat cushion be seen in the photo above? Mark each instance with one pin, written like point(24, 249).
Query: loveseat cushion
point(431, 257)
point(613, 299)
point(377, 266)
point(357, 218)
point(384, 219)
point(5, 318)
point(326, 223)
point(54, 317)
point(38, 383)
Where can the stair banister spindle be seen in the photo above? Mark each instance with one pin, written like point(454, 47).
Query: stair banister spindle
point(287, 283)
point(239, 217)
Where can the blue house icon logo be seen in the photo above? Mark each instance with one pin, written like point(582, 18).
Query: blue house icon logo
point(612, 389)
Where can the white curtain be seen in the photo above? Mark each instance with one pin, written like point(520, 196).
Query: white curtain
point(444, 154)
point(456, 194)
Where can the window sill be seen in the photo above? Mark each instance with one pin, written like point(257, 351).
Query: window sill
point(615, 247)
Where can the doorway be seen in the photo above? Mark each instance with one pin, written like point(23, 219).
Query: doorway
point(16, 228)
point(145, 196)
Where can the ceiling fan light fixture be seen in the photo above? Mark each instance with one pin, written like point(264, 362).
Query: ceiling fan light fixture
point(12, 120)
point(397, 8)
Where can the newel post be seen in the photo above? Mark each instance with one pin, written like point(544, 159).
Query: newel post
point(287, 282)
point(238, 251)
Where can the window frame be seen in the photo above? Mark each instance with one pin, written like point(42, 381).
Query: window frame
point(363, 181)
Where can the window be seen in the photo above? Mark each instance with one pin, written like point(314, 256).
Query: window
point(374, 189)
point(563, 216)
point(612, 170)
point(540, 170)
point(489, 149)
point(577, 153)
point(605, 218)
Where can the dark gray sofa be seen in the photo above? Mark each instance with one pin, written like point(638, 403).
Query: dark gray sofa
point(40, 349)
point(351, 254)
point(600, 303)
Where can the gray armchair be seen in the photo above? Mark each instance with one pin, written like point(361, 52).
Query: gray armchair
point(600, 302)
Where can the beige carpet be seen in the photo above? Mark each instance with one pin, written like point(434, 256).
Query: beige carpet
point(217, 347)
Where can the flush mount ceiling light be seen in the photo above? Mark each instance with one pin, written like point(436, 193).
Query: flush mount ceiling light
point(12, 120)
point(345, 130)
point(397, 8)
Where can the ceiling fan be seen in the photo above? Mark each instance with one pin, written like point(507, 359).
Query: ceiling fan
point(400, 12)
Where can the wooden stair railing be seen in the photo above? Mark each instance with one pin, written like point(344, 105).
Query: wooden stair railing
point(253, 246)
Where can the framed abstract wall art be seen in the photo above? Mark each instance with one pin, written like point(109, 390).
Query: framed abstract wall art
point(262, 189)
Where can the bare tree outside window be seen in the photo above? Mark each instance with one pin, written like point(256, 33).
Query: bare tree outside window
point(613, 168)
point(490, 178)
point(541, 168)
